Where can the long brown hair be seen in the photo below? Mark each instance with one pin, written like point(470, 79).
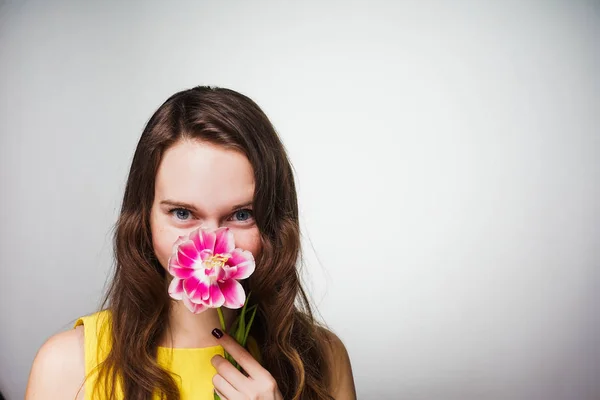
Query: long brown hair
point(291, 342)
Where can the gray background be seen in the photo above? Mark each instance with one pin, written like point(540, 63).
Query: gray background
point(447, 157)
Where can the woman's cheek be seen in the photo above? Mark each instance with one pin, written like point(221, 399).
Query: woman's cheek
point(163, 243)
point(159, 250)
point(248, 239)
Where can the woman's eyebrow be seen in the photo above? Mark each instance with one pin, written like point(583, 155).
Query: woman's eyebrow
point(181, 204)
point(191, 207)
point(244, 205)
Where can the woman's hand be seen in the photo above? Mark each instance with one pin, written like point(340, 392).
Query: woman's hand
point(231, 384)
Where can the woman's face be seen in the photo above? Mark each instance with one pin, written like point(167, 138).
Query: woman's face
point(199, 184)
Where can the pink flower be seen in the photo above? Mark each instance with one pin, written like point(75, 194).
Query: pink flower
point(206, 268)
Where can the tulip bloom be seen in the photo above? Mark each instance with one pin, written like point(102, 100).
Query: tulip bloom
point(206, 268)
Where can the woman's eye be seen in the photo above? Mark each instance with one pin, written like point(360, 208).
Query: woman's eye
point(181, 213)
point(242, 215)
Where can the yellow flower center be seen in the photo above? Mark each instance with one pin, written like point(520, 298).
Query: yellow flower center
point(215, 261)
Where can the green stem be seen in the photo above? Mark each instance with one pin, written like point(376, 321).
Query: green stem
point(221, 319)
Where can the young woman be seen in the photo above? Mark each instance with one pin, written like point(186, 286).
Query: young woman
point(208, 158)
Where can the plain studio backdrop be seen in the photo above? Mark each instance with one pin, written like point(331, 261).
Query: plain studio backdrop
point(447, 157)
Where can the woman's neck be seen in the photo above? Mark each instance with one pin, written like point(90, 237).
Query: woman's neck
point(187, 330)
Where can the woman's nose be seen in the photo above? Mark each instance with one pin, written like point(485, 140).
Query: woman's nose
point(210, 225)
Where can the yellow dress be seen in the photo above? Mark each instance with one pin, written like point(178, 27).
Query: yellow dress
point(191, 368)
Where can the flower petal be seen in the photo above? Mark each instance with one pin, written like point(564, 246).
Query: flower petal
point(203, 239)
point(215, 296)
point(179, 240)
point(193, 307)
point(176, 289)
point(181, 273)
point(234, 294)
point(177, 270)
point(196, 237)
point(184, 261)
point(239, 256)
point(201, 293)
point(190, 285)
point(244, 270)
point(186, 253)
point(242, 264)
point(206, 254)
point(223, 274)
point(224, 241)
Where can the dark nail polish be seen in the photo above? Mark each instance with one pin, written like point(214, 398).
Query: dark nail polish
point(217, 333)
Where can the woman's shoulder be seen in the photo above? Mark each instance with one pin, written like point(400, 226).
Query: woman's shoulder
point(340, 376)
point(58, 369)
point(335, 348)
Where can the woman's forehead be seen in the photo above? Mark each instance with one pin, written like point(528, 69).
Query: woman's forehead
point(203, 173)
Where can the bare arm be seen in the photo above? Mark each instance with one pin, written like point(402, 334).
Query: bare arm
point(58, 368)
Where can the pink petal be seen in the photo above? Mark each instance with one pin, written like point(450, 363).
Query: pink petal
point(223, 274)
point(184, 261)
point(201, 293)
point(173, 261)
point(206, 254)
point(193, 307)
point(224, 242)
point(243, 270)
point(181, 273)
point(188, 251)
point(215, 296)
point(234, 294)
point(190, 285)
point(203, 239)
point(179, 240)
point(242, 262)
point(177, 270)
point(176, 289)
point(239, 256)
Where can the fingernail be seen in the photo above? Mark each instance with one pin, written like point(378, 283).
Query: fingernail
point(217, 333)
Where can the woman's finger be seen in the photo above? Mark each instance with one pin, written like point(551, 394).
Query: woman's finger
point(221, 395)
point(230, 373)
point(224, 389)
point(241, 355)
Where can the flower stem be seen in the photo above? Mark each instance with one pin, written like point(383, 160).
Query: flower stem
point(221, 319)
point(226, 354)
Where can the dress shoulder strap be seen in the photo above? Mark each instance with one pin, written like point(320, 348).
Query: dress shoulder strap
point(97, 339)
